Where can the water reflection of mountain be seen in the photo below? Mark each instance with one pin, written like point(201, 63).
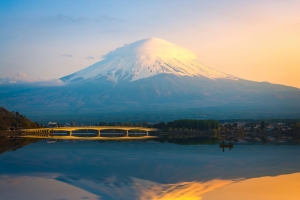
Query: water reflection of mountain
point(263, 188)
point(107, 167)
point(53, 186)
point(130, 188)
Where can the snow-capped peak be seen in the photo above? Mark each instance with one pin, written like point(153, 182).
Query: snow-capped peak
point(151, 48)
point(143, 59)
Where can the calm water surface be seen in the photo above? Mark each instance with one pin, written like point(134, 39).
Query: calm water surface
point(149, 170)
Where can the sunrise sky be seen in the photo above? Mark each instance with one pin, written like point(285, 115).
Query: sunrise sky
point(256, 39)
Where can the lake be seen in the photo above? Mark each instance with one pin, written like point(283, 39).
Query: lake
point(149, 169)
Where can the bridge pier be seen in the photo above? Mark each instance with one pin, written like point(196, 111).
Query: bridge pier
point(71, 133)
point(126, 133)
point(147, 133)
point(98, 133)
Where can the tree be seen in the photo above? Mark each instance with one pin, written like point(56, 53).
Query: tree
point(296, 126)
point(262, 125)
point(241, 133)
point(217, 134)
point(3, 126)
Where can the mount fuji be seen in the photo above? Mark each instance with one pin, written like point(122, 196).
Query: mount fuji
point(144, 59)
point(151, 80)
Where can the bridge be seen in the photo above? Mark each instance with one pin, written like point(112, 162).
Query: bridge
point(48, 132)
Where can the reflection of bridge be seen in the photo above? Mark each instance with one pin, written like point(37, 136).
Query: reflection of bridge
point(47, 132)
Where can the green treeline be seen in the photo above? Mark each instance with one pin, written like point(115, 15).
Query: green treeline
point(188, 124)
point(14, 120)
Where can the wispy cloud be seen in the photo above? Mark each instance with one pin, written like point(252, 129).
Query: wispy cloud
point(23, 78)
point(79, 19)
point(109, 19)
point(90, 57)
point(67, 55)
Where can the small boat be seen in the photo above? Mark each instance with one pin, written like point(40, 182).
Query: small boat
point(223, 145)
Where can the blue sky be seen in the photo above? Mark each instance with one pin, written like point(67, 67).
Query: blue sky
point(256, 40)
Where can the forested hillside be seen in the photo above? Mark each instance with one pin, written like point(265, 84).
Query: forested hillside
point(14, 120)
point(189, 124)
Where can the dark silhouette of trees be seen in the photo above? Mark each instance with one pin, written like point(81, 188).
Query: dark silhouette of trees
point(160, 125)
point(14, 120)
point(262, 125)
point(183, 124)
point(296, 126)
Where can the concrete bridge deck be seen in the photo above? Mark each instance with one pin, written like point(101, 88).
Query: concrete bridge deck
point(87, 138)
point(48, 132)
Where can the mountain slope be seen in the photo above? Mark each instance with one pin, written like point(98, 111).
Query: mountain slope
point(157, 98)
point(143, 59)
point(152, 80)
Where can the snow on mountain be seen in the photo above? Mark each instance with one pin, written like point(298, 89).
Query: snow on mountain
point(143, 59)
